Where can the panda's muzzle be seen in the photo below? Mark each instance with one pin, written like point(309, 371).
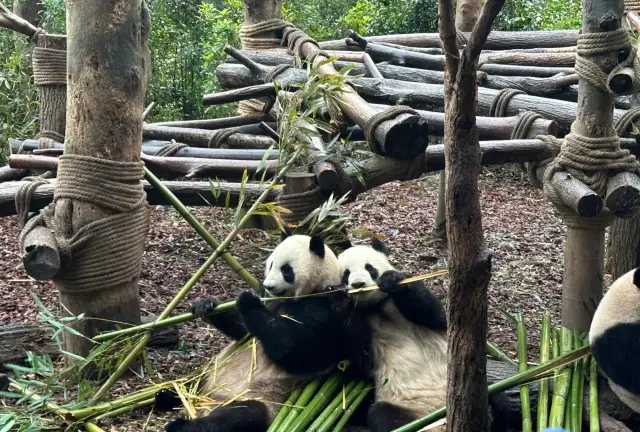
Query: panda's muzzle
point(358, 284)
point(269, 291)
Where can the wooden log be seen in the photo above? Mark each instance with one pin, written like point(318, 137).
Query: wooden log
point(8, 174)
point(498, 40)
point(218, 123)
point(623, 195)
point(190, 193)
point(53, 97)
point(40, 255)
point(151, 147)
point(201, 137)
point(371, 66)
point(577, 195)
point(18, 339)
point(621, 80)
point(169, 166)
point(236, 95)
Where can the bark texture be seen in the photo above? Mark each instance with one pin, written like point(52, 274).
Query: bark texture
point(53, 97)
point(30, 10)
point(108, 73)
point(469, 260)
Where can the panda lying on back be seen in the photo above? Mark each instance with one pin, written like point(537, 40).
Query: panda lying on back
point(298, 339)
point(615, 337)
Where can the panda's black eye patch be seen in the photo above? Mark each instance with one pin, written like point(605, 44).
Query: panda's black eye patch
point(345, 277)
point(372, 271)
point(288, 273)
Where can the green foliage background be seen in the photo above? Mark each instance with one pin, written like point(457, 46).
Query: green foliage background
point(187, 38)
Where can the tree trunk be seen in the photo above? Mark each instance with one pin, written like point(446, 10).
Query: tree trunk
point(624, 250)
point(108, 67)
point(53, 97)
point(469, 260)
point(30, 10)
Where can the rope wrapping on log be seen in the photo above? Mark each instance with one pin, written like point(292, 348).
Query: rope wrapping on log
point(52, 135)
point(378, 118)
point(275, 71)
point(300, 204)
point(219, 137)
point(24, 196)
point(49, 66)
point(501, 102)
point(249, 33)
point(293, 38)
point(626, 121)
point(632, 5)
point(108, 251)
point(170, 149)
point(521, 131)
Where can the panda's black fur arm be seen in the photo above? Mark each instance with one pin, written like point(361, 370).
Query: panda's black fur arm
point(306, 335)
point(230, 323)
point(613, 349)
point(385, 417)
point(414, 301)
point(240, 416)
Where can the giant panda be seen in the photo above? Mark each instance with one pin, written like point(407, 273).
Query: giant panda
point(614, 337)
point(409, 338)
point(297, 339)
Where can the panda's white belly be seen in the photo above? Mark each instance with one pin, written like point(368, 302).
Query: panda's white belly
point(410, 364)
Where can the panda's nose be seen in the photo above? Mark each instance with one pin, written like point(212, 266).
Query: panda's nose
point(358, 284)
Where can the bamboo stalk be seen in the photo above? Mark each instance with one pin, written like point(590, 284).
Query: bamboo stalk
point(531, 374)
point(496, 353)
point(562, 382)
point(351, 409)
point(200, 229)
point(594, 413)
point(189, 285)
point(284, 411)
point(543, 392)
point(84, 413)
point(522, 367)
point(90, 427)
point(582, 374)
point(335, 405)
point(318, 403)
point(127, 408)
point(303, 400)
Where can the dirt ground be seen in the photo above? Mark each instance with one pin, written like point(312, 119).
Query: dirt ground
point(521, 229)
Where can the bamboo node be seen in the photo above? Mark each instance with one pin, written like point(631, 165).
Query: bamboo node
point(49, 66)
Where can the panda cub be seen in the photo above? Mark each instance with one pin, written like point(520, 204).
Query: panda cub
point(614, 337)
point(409, 338)
point(297, 339)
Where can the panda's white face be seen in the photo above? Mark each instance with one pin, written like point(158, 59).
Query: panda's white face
point(299, 266)
point(361, 266)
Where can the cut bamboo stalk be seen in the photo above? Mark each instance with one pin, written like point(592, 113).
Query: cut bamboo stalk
point(335, 405)
point(351, 409)
point(319, 402)
point(286, 408)
point(543, 392)
point(301, 403)
point(522, 367)
point(594, 413)
point(563, 382)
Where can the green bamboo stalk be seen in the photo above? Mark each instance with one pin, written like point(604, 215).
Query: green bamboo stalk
point(303, 400)
point(90, 427)
point(496, 353)
point(189, 285)
point(339, 410)
point(594, 413)
point(577, 378)
point(583, 376)
point(200, 229)
point(318, 403)
point(284, 411)
point(522, 367)
point(84, 413)
point(543, 390)
point(334, 405)
point(126, 409)
point(351, 409)
point(562, 382)
point(531, 374)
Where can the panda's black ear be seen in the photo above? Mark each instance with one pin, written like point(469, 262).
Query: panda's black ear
point(379, 246)
point(636, 277)
point(316, 245)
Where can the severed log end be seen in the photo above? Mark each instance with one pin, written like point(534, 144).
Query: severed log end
point(623, 194)
point(40, 254)
point(405, 137)
point(621, 81)
point(576, 195)
point(327, 176)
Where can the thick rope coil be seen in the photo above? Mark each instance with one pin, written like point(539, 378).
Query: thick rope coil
point(248, 34)
point(49, 66)
point(293, 38)
point(378, 118)
point(592, 161)
point(170, 149)
point(531, 168)
point(300, 204)
point(24, 196)
point(219, 137)
point(626, 121)
point(275, 71)
point(632, 5)
point(108, 251)
point(501, 102)
point(252, 107)
point(53, 135)
point(523, 125)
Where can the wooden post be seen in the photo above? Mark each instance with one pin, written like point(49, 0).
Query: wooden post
point(108, 72)
point(53, 97)
point(469, 260)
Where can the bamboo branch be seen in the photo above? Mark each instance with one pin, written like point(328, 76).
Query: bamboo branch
point(371, 66)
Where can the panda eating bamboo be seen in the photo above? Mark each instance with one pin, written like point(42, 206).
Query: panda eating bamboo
point(298, 339)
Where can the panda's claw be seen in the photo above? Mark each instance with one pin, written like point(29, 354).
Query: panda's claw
point(248, 300)
point(202, 308)
point(390, 281)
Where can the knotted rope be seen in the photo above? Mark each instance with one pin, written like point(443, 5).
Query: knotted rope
point(108, 251)
point(49, 66)
point(378, 118)
point(249, 34)
point(219, 137)
point(626, 121)
point(170, 149)
point(24, 196)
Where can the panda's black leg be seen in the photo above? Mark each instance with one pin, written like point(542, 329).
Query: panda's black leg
point(414, 301)
point(242, 416)
point(230, 323)
point(385, 417)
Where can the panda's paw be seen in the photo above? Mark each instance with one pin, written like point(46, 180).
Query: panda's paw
point(247, 301)
point(390, 282)
point(341, 301)
point(202, 308)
